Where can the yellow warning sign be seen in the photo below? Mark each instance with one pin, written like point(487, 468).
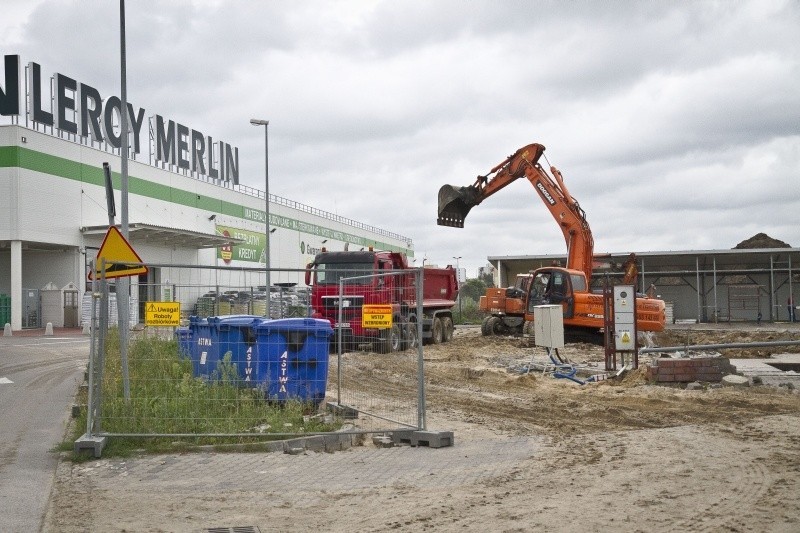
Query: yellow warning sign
point(119, 255)
point(626, 338)
point(162, 314)
point(378, 316)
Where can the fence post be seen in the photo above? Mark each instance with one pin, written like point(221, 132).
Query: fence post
point(102, 332)
point(90, 406)
point(421, 422)
point(339, 338)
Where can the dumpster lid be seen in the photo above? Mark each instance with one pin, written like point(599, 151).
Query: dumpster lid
point(235, 320)
point(295, 324)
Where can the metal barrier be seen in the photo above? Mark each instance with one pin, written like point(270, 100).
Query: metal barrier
point(245, 364)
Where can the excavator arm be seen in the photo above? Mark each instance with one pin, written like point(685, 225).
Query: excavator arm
point(456, 202)
point(630, 270)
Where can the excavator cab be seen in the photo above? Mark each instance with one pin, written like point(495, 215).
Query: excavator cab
point(455, 203)
point(555, 286)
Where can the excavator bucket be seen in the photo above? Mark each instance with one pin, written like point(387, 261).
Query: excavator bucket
point(454, 204)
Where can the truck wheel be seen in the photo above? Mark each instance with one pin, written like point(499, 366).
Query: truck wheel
point(495, 326)
point(484, 327)
point(437, 331)
point(390, 339)
point(527, 327)
point(447, 329)
point(411, 340)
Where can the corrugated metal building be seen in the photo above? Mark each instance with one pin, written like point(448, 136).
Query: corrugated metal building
point(698, 285)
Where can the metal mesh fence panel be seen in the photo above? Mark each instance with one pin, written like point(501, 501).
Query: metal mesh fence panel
point(312, 355)
point(378, 326)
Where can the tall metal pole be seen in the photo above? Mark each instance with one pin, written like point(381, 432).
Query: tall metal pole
point(265, 123)
point(123, 283)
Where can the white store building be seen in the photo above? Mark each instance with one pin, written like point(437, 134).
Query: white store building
point(54, 211)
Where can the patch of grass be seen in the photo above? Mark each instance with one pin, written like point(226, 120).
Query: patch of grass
point(167, 399)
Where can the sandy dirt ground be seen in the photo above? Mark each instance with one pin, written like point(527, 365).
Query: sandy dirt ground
point(619, 454)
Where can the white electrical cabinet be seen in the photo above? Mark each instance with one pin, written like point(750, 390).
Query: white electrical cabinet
point(548, 326)
point(624, 317)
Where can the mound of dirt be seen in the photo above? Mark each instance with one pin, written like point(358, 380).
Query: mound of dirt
point(761, 240)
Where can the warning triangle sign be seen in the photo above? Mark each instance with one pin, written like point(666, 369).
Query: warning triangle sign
point(119, 255)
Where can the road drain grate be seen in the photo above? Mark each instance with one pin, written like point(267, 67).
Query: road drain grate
point(239, 529)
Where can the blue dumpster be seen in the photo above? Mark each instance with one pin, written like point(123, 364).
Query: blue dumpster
point(293, 358)
point(236, 334)
point(213, 337)
point(183, 336)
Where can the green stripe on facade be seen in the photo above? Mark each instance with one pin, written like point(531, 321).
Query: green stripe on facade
point(24, 158)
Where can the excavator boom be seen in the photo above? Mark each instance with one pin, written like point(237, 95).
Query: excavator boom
point(456, 202)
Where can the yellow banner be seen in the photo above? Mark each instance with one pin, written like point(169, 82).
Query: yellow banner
point(162, 314)
point(376, 316)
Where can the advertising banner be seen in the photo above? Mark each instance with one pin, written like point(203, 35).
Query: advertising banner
point(252, 249)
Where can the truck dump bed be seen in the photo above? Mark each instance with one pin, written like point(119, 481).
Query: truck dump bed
point(439, 287)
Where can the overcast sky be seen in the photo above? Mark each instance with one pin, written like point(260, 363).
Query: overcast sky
point(676, 125)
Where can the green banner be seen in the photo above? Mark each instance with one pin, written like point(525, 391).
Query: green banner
point(252, 249)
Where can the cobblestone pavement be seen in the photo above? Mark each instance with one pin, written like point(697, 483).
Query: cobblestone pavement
point(357, 468)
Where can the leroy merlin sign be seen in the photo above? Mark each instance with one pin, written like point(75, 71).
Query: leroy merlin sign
point(252, 249)
point(71, 106)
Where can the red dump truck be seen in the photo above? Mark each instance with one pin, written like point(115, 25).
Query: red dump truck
point(384, 279)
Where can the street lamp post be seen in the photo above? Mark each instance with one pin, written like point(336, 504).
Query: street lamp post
point(458, 281)
point(265, 123)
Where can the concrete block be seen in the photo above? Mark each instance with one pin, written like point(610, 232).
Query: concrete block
point(432, 439)
point(402, 436)
point(48, 329)
point(314, 443)
point(338, 442)
point(89, 442)
point(7, 330)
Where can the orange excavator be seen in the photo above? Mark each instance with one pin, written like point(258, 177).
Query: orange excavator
point(568, 286)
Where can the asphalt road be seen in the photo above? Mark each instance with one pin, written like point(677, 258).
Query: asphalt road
point(39, 377)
